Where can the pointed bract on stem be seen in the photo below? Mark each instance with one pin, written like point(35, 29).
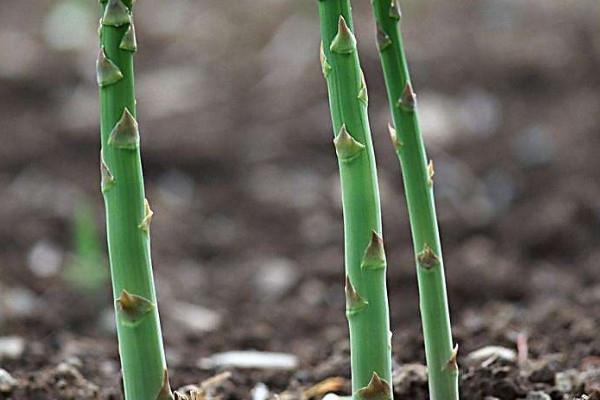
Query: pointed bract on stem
point(99, 32)
point(107, 178)
point(374, 254)
point(354, 301)
point(345, 41)
point(346, 147)
point(129, 41)
point(452, 364)
point(377, 389)
point(363, 95)
point(125, 134)
point(107, 72)
point(165, 392)
point(116, 14)
point(395, 13)
point(148, 213)
point(430, 173)
point(408, 100)
point(133, 307)
point(325, 66)
point(394, 136)
point(427, 258)
point(383, 40)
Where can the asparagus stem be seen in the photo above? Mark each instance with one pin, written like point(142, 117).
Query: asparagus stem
point(127, 213)
point(418, 184)
point(366, 296)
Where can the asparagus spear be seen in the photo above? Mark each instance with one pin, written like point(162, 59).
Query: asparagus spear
point(365, 264)
point(418, 184)
point(128, 214)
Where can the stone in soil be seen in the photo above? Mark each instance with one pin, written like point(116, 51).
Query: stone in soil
point(7, 382)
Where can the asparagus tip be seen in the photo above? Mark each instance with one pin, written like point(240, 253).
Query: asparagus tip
point(345, 41)
point(165, 392)
point(346, 147)
point(107, 178)
point(427, 258)
point(116, 14)
point(374, 257)
point(125, 134)
point(377, 389)
point(354, 301)
point(383, 40)
point(133, 307)
point(107, 71)
point(408, 99)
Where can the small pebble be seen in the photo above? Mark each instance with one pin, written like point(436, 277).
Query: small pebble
point(537, 395)
point(44, 259)
point(332, 396)
point(75, 362)
point(7, 382)
point(275, 277)
point(18, 302)
point(194, 318)
point(542, 375)
point(566, 380)
point(506, 389)
point(11, 347)
point(408, 375)
point(535, 146)
point(177, 189)
point(250, 359)
point(591, 379)
point(485, 353)
point(260, 392)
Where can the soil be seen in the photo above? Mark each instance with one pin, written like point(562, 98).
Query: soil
point(241, 173)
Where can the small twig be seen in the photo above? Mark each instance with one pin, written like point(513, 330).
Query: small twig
point(522, 347)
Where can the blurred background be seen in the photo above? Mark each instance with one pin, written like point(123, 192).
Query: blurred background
point(242, 176)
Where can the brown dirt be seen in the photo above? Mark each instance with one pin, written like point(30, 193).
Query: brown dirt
point(242, 177)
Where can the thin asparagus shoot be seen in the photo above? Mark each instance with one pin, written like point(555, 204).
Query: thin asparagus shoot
point(418, 175)
point(365, 264)
point(128, 214)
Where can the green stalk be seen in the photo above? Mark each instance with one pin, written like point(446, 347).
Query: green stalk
point(128, 214)
point(418, 184)
point(365, 264)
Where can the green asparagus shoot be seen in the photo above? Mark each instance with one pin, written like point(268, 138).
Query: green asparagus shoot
point(418, 173)
point(128, 214)
point(365, 264)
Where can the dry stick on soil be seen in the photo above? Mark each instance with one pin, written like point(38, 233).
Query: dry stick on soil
point(366, 295)
point(128, 214)
point(418, 184)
